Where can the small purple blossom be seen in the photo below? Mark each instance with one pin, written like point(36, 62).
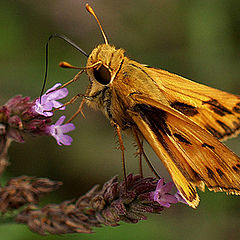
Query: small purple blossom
point(18, 118)
point(179, 197)
point(48, 101)
point(57, 130)
point(161, 194)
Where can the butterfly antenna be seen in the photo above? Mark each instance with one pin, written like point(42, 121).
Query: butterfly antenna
point(66, 39)
point(90, 10)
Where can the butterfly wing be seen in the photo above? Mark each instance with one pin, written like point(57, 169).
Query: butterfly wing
point(216, 111)
point(182, 120)
point(192, 155)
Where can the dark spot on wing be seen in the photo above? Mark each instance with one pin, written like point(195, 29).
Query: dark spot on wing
point(207, 145)
point(227, 129)
point(197, 177)
point(218, 188)
point(184, 108)
point(156, 117)
point(181, 138)
point(193, 192)
point(220, 172)
point(236, 124)
point(210, 173)
point(235, 169)
point(217, 107)
point(238, 165)
point(237, 108)
point(214, 132)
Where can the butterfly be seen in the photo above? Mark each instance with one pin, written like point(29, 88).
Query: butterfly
point(184, 122)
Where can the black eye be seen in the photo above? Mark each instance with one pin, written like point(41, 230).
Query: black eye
point(102, 75)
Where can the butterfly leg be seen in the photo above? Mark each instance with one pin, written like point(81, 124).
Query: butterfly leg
point(71, 101)
point(78, 111)
point(76, 77)
point(118, 130)
point(139, 141)
point(139, 150)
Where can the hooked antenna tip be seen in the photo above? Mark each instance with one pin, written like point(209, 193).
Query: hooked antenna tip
point(65, 65)
point(89, 8)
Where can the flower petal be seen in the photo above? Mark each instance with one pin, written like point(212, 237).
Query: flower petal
point(57, 104)
point(58, 94)
point(61, 93)
point(65, 140)
point(54, 87)
point(43, 100)
point(164, 204)
point(168, 198)
point(60, 120)
point(167, 187)
point(67, 127)
point(160, 184)
point(180, 198)
point(43, 110)
point(44, 107)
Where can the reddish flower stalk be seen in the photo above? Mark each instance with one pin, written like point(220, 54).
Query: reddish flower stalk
point(108, 206)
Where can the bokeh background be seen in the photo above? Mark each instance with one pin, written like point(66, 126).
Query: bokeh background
point(196, 39)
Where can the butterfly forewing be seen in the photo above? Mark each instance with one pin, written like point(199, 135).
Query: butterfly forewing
point(216, 111)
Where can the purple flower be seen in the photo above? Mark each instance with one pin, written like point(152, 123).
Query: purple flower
point(48, 101)
point(179, 197)
point(57, 130)
point(18, 118)
point(161, 194)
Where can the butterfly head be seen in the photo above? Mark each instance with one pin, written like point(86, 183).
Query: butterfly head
point(104, 63)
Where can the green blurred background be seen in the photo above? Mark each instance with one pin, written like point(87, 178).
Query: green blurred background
point(196, 39)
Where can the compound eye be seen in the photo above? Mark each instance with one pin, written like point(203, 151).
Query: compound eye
point(102, 75)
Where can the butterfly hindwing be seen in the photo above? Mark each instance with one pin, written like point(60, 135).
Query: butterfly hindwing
point(192, 155)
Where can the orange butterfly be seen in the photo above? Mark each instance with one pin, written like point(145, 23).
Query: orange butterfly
point(183, 121)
